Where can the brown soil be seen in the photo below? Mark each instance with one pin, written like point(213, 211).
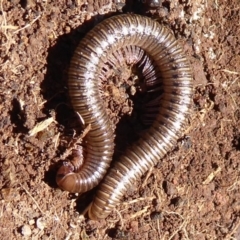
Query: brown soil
point(194, 191)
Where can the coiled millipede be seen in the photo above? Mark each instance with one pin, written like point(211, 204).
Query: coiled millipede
point(133, 34)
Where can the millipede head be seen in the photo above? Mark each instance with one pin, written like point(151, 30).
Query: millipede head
point(65, 178)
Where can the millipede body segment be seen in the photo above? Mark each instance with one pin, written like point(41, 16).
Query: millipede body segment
point(136, 34)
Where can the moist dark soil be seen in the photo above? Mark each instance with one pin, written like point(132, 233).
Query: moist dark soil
point(194, 191)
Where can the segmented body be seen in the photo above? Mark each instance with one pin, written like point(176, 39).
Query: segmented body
point(86, 71)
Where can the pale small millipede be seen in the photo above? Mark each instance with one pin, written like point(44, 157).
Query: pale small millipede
point(135, 35)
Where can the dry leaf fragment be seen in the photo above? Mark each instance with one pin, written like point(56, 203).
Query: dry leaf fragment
point(84, 235)
point(41, 126)
point(211, 176)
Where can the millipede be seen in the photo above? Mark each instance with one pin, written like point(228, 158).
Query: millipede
point(153, 46)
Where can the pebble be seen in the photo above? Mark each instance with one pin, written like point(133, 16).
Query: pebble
point(26, 230)
point(40, 224)
point(133, 90)
point(31, 222)
point(72, 225)
point(134, 226)
point(156, 215)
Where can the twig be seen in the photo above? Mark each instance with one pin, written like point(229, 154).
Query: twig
point(28, 25)
point(32, 198)
point(120, 217)
point(228, 71)
point(229, 235)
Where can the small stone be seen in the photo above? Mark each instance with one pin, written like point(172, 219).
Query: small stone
point(67, 29)
point(134, 226)
point(26, 230)
point(133, 90)
point(169, 188)
point(156, 215)
point(40, 223)
point(31, 222)
point(72, 225)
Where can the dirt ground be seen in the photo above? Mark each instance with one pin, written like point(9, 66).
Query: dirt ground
point(194, 191)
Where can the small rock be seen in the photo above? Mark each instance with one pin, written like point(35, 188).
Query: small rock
point(156, 215)
point(134, 226)
point(31, 222)
point(26, 230)
point(133, 90)
point(40, 223)
point(72, 225)
point(169, 188)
